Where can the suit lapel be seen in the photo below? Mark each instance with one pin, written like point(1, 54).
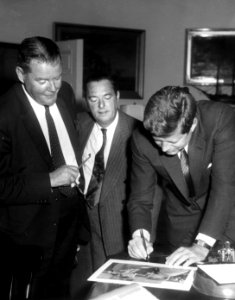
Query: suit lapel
point(33, 127)
point(85, 126)
point(69, 124)
point(172, 166)
point(115, 159)
point(196, 158)
point(196, 153)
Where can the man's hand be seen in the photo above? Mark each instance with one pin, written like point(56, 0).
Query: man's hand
point(64, 175)
point(136, 247)
point(187, 256)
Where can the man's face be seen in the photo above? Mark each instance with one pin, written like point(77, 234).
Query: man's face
point(174, 143)
point(43, 81)
point(102, 101)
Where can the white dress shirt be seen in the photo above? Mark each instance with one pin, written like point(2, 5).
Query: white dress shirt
point(93, 145)
point(63, 136)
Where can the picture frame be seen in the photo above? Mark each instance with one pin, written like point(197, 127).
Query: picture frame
point(117, 51)
point(210, 57)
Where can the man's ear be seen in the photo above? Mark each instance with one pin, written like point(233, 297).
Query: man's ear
point(86, 104)
point(20, 74)
point(118, 95)
point(194, 124)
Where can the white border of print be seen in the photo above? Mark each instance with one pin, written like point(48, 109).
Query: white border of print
point(145, 273)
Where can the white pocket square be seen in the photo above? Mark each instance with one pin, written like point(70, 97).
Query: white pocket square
point(209, 166)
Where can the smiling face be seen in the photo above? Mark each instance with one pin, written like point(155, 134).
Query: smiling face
point(43, 81)
point(102, 101)
point(174, 143)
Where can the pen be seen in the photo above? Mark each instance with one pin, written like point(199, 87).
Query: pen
point(79, 167)
point(144, 242)
point(84, 161)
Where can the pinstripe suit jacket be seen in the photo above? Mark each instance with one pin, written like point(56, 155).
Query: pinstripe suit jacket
point(112, 204)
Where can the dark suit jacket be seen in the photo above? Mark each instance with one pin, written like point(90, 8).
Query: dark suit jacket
point(112, 207)
point(29, 208)
point(212, 166)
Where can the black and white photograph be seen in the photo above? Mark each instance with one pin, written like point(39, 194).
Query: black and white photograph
point(146, 274)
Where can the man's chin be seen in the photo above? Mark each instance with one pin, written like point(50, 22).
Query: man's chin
point(50, 101)
point(171, 153)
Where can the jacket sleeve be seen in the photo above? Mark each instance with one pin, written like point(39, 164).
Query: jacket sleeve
point(143, 186)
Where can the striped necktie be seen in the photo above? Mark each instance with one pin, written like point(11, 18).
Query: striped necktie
point(98, 172)
point(185, 169)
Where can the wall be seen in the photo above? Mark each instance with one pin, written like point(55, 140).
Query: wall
point(165, 22)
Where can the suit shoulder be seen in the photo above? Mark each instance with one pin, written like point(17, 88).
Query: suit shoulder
point(84, 120)
point(210, 111)
point(131, 121)
point(65, 88)
point(66, 92)
point(83, 116)
point(215, 117)
point(140, 134)
point(212, 106)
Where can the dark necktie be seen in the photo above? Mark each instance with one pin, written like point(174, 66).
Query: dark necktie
point(185, 169)
point(95, 184)
point(56, 151)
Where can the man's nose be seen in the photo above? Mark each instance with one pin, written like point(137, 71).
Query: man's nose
point(52, 86)
point(101, 102)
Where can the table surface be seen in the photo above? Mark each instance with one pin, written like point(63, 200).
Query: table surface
point(195, 293)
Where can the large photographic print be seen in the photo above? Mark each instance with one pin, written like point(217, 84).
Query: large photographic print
point(145, 273)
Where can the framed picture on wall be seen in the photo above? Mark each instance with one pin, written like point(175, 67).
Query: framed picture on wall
point(117, 51)
point(210, 56)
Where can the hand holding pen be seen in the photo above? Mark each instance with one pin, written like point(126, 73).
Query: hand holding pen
point(144, 243)
point(139, 247)
point(76, 183)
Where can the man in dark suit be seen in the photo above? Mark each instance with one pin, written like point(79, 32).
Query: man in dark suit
point(40, 210)
point(199, 214)
point(108, 216)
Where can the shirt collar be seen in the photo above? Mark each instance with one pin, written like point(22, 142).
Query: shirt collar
point(35, 105)
point(113, 125)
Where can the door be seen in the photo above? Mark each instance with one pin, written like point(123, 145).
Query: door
point(72, 60)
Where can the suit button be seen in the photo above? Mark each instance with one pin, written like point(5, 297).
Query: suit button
point(55, 224)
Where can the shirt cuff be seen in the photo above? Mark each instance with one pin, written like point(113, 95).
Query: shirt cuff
point(207, 239)
point(145, 232)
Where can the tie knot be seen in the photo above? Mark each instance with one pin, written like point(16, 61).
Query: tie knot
point(183, 153)
point(47, 108)
point(104, 130)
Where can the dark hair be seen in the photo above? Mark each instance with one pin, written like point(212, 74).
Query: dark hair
point(167, 108)
point(40, 48)
point(101, 76)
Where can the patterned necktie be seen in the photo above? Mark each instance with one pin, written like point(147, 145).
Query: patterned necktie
point(95, 184)
point(185, 169)
point(56, 151)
